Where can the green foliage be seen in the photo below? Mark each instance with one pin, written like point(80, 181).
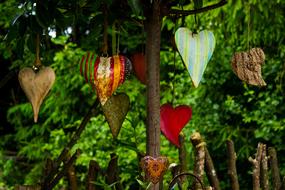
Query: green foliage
point(223, 106)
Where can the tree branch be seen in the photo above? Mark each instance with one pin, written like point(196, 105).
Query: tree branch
point(199, 147)
point(196, 11)
point(274, 168)
point(64, 170)
point(210, 171)
point(92, 112)
point(256, 167)
point(264, 169)
point(93, 171)
point(232, 171)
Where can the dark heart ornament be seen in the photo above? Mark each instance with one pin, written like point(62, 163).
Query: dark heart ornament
point(139, 65)
point(154, 168)
point(106, 74)
point(247, 66)
point(115, 111)
point(36, 85)
point(173, 120)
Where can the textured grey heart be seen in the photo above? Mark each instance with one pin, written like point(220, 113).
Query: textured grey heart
point(36, 85)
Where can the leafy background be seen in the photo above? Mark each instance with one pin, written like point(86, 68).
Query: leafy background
point(223, 106)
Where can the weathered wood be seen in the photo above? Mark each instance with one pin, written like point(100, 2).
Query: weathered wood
point(199, 164)
point(93, 171)
point(232, 171)
point(113, 173)
point(264, 169)
point(256, 167)
point(274, 168)
point(210, 171)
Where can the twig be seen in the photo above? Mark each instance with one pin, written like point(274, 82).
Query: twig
point(72, 180)
point(64, 170)
point(196, 11)
point(92, 112)
point(210, 171)
point(182, 156)
point(199, 163)
point(256, 167)
point(232, 171)
point(93, 171)
point(264, 169)
point(274, 168)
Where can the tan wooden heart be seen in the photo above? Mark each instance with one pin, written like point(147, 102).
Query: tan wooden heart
point(115, 111)
point(36, 85)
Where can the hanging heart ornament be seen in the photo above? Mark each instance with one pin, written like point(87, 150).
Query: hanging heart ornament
point(195, 50)
point(36, 85)
point(139, 65)
point(247, 66)
point(154, 168)
point(106, 74)
point(173, 120)
point(115, 111)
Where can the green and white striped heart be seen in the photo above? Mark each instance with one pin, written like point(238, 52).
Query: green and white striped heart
point(195, 50)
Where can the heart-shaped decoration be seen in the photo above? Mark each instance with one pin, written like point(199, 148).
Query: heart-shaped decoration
point(109, 73)
point(247, 66)
point(195, 50)
point(115, 111)
point(139, 65)
point(36, 85)
point(173, 120)
point(154, 168)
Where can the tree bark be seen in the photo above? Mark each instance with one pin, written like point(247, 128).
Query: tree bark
point(232, 171)
point(93, 171)
point(256, 167)
point(274, 168)
point(264, 169)
point(113, 173)
point(153, 27)
point(199, 147)
point(211, 172)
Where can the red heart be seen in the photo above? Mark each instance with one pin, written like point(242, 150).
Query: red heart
point(139, 64)
point(173, 120)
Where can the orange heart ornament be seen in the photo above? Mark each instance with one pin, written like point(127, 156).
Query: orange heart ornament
point(154, 168)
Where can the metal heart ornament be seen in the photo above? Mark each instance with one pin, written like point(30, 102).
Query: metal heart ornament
point(106, 74)
point(139, 65)
point(154, 168)
point(195, 50)
point(173, 120)
point(247, 66)
point(115, 111)
point(36, 85)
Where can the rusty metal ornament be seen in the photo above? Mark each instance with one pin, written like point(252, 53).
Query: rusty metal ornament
point(115, 111)
point(36, 85)
point(247, 66)
point(154, 168)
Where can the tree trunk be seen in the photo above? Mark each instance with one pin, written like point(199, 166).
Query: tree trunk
point(153, 27)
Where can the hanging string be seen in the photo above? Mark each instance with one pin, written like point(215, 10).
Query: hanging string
point(174, 63)
point(37, 63)
point(248, 27)
point(105, 33)
point(118, 43)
